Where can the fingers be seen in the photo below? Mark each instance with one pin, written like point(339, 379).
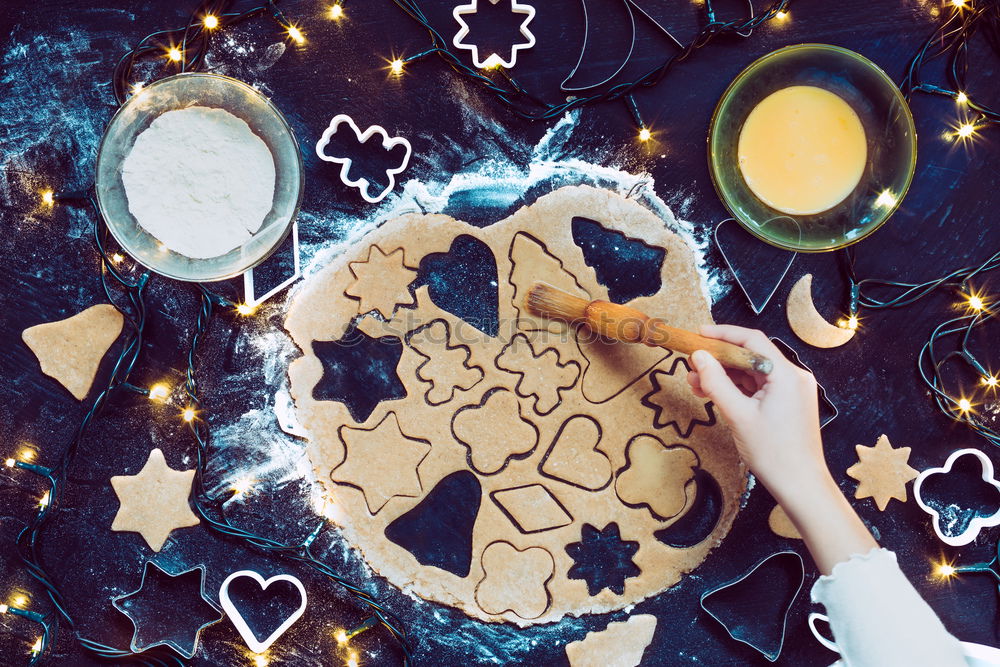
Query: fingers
point(695, 382)
point(752, 339)
point(716, 384)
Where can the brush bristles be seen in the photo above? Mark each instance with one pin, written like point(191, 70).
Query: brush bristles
point(547, 301)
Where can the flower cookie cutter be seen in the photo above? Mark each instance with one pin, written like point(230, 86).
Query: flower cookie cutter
point(362, 184)
point(745, 608)
point(240, 623)
point(494, 60)
point(977, 522)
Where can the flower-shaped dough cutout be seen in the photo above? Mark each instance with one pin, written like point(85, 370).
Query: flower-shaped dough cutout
point(664, 400)
point(515, 580)
point(397, 453)
point(656, 476)
point(882, 472)
point(494, 59)
point(382, 282)
point(603, 559)
point(962, 496)
point(491, 448)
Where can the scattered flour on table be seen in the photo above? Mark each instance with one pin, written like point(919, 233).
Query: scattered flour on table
point(200, 181)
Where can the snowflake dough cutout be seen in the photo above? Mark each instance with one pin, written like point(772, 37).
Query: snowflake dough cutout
point(494, 60)
point(382, 282)
point(882, 472)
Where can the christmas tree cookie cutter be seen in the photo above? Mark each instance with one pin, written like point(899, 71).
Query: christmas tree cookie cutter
point(977, 521)
point(494, 59)
point(362, 184)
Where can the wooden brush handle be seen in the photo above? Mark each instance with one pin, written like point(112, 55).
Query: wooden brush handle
point(633, 326)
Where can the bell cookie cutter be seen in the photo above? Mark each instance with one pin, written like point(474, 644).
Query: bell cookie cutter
point(824, 398)
point(254, 644)
point(753, 608)
point(494, 60)
point(362, 184)
point(977, 522)
point(189, 646)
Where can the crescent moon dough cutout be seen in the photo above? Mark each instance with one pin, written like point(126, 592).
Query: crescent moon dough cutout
point(806, 321)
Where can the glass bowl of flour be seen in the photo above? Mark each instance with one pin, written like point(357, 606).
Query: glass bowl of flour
point(199, 177)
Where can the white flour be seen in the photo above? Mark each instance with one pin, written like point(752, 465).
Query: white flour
point(200, 181)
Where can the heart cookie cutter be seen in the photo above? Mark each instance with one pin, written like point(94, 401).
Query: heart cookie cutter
point(494, 60)
point(977, 523)
point(362, 184)
point(757, 309)
point(254, 644)
point(771, 653)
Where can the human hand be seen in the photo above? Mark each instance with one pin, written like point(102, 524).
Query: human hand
point(774, 418)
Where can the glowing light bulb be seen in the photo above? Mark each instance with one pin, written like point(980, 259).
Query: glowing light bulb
point(396, 66)
point(159, 392)
point(188, 414)
point(961, 98)
point(336, 12)
point(174, 54)
point(296, 35)
point(241, 486)
point(3, 608)
point(44, 501)
point(958, 3)
point(261, 660)
point(20, 601)
point(781, 15)
point(27, 454)
point(965, 130)
point(210, 21)
point(117, 258)
point(48, 197)
point(886, 199)
point(851, 323)
point(976, 302)
point(352, 660)
point(945, 570)
point(340, 636)
point(36, 648)
point(10, 463)
point(137, 87)
point(645, 134)
point(245, 309)
point(991, 381)
point(964, 405)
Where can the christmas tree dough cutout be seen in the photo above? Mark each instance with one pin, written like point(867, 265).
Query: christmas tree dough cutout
point(154, 502)
point(71, 350)
point(882, 472)
point(621, 644)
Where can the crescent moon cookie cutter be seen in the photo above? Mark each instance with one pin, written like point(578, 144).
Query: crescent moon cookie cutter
point(752, 602)
point(494, 59)
point(969, 520)
point(362, 184)
point(253, 643)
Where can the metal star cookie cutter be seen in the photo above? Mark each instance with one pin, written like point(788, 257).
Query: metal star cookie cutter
point(772, 654)
point(757, 310)
point(186, 646)
point(494, 60)
point(629, 5)
point(362, 184)
point(250, 297)
point(240, 623)
point(823, 396)
point(977, 522)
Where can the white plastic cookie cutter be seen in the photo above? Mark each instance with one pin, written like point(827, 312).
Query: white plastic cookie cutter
point(362, 184)
point(494, 60)
point(977, 523)
point(254, 644)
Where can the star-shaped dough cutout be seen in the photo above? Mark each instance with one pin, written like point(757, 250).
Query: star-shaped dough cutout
point(382, 462)
point(882, 472)
point(494, 59)
point(154, 502)
point(382, 282)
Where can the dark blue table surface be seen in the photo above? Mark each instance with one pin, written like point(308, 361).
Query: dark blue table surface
point(55, 65)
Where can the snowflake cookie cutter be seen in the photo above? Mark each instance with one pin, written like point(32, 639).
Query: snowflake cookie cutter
point(494, 60)
point(362, 184)
point(753, 607)
point(977, 522)
point(186, 646)
point(240, 623)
